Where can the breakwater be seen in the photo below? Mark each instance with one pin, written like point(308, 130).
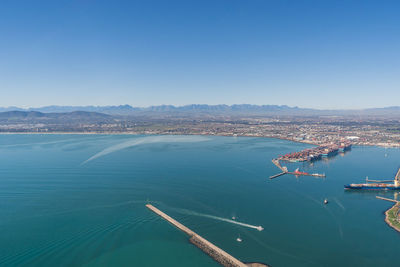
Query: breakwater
point(285, 170)
point(213, 251)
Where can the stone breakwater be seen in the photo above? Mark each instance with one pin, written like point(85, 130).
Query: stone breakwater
point(213, 251)
point(204, 245)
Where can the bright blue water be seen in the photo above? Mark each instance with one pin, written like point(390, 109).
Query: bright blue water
point(56, 211)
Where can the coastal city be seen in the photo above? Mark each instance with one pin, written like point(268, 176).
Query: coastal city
point(317, 130)
point(202, 133)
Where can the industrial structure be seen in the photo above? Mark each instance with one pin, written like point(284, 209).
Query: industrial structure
point(378, 184)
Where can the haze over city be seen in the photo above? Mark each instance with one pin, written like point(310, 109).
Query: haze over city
point(315, 54)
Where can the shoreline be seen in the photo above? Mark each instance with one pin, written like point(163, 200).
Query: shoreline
point(200, 134)
point(390, 217)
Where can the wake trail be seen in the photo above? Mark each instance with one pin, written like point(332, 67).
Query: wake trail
point(339, 204)
point(146, 140)
point(188, 212)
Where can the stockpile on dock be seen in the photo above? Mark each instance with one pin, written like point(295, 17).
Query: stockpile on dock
point(213, 251)
point(319, 152)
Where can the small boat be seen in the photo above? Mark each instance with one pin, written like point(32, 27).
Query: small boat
point(239, 239)
point(233, 218)
point(260, 228)
point(325, 201)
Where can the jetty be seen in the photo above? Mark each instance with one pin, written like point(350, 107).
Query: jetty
point(387, 199)
point(212, 250)
point(285, 170)
point(307, 174)
point(277, 175)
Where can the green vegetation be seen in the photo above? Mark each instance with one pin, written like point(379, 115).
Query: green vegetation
point(392, 216)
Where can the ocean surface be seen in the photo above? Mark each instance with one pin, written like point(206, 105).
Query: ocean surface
point(79, 200)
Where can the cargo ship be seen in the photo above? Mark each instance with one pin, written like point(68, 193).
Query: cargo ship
point(329, 151)
point(316, 153)
point(378, 185)
point(344, 147)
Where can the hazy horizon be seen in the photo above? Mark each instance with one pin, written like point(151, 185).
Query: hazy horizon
point(200, 104)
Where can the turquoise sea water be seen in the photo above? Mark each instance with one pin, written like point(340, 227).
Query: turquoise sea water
point(57, 210)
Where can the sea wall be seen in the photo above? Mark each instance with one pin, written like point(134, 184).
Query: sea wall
point(214, 253)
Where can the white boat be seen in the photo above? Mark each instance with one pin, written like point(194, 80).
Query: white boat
point(325, 201)
point(239, 239)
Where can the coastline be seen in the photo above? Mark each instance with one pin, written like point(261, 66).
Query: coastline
point(392, 218)
point(201, 134)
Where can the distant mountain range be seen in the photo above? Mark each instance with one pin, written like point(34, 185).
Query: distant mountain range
point(40, 117)
point(242, 109)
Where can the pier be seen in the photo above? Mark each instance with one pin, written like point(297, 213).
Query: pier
point(307, 174)
point(284, 170)
point(278, 164)
point(213, 251)
point(277, 175)
point(387, 199)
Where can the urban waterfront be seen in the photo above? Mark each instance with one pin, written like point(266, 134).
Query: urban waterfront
point(80, 200)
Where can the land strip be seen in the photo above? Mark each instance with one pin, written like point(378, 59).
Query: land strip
point(315, 130)
point(392, 215)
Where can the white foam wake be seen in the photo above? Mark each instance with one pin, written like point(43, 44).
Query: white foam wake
point(188, 212)
point(147, 140)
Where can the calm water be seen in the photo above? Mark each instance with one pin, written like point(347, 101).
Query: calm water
point(58, 210)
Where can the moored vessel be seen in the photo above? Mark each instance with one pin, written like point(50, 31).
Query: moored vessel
point(378, 185)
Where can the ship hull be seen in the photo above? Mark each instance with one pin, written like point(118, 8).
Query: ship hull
point(371, 187)
point(344, 148)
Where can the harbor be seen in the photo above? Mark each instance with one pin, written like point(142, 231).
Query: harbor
point(213, 251)
point(123, 232)
point(308, 155)
point(311, 154)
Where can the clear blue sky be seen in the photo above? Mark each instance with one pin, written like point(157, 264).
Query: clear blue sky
point(321, 54)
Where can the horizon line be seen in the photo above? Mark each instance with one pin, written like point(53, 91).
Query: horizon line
point(186, 105)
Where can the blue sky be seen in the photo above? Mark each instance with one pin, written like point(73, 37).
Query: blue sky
point(320, 54)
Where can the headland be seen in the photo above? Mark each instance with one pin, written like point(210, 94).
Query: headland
point(392, 215)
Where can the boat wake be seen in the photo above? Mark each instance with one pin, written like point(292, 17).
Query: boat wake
point(146, 140)
point(189, 212)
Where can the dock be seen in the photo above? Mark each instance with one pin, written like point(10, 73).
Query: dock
point(316, 153)
point(213, 251)
point(307, 174)
point(277, 175)
point(387, 199)
point(278, 164)
point(284, 170)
